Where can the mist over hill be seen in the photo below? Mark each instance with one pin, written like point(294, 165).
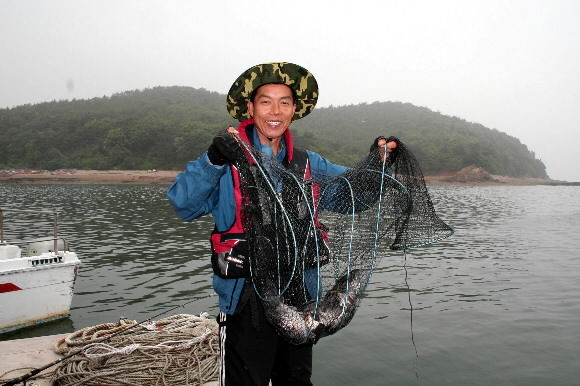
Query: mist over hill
point(164, 127)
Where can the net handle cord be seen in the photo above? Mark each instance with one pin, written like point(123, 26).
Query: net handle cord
point(384, 177)
point(383, 173)
point(312, 226)
point(407, 211)
point(377, 222)
point(376, 235)
point(349, 258)
point(248, 150)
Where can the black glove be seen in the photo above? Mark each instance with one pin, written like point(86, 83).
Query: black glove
point(224, 149)
point(393, 154)
point(375, 144)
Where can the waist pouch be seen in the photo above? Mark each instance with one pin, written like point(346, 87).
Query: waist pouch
point(229, 255)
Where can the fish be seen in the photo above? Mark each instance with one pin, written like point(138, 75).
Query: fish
point(312, 321)
point(338, 306)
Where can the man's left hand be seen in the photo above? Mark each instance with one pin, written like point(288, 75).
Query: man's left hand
point(391, 145)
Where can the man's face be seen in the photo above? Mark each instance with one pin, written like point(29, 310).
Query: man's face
point(272, 108)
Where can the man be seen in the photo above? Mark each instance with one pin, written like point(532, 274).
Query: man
point(265, 99)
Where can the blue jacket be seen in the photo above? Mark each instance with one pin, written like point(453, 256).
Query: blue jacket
point(203, 188)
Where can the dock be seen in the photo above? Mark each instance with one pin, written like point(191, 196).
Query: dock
point(18, 357)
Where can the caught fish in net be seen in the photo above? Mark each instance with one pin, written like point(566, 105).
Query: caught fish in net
point(314, 240)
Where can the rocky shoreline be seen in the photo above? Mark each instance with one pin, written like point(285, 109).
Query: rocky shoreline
point(466, 176)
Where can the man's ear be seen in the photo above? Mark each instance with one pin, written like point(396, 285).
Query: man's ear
point(250, 106)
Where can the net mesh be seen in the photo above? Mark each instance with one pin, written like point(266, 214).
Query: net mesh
point(314, 240)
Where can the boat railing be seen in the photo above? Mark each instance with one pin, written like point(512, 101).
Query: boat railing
point(43, 212)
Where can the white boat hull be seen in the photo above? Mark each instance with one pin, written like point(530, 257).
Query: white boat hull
point(35, 289)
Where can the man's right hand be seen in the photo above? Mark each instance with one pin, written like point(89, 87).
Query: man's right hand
point(224, 148)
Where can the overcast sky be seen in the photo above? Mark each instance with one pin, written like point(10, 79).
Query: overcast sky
point(512, 65)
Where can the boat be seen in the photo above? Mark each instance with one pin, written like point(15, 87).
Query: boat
point(37, 276)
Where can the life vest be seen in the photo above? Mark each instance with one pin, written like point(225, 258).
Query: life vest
point(230, 249)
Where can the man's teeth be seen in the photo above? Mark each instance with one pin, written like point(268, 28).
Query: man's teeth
point(273, 123)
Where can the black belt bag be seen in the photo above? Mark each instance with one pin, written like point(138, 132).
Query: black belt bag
point(229, 257)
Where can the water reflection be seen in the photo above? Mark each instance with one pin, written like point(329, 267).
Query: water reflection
point(491, 302)
point(138, 257)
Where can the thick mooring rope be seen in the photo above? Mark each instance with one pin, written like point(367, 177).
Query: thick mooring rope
point(177, 350)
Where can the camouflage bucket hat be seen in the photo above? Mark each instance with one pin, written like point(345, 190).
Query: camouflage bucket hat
point(292, 75)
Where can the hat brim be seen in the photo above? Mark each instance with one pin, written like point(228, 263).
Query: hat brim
point(292, 75)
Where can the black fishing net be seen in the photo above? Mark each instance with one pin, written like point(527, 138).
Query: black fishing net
point(315, 240)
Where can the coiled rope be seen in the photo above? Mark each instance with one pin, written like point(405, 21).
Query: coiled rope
point(177, 350)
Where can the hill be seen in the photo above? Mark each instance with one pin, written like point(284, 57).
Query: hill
point(441, 143)
point(164, 127)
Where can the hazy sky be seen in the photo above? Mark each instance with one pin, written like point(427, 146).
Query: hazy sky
point(512, 65)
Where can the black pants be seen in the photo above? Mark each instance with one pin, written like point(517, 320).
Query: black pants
point(251, 353)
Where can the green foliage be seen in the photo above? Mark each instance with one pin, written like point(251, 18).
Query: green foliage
point(165, 127)
point(441, 143)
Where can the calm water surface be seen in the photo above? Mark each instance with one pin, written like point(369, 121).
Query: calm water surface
point(496, 304)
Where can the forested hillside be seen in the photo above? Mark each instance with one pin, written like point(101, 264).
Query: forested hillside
point(440, 142)
point(164, 127)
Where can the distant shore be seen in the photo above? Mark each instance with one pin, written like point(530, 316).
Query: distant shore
point(472, 176)
point(77, 176)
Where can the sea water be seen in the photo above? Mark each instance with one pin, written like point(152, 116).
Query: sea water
point(498, 303)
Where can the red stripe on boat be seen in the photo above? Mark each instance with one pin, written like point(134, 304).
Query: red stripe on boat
point(8, 287)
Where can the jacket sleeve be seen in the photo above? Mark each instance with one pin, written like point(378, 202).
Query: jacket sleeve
point(321, 167)
point(195, 191)
point(336, 197)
